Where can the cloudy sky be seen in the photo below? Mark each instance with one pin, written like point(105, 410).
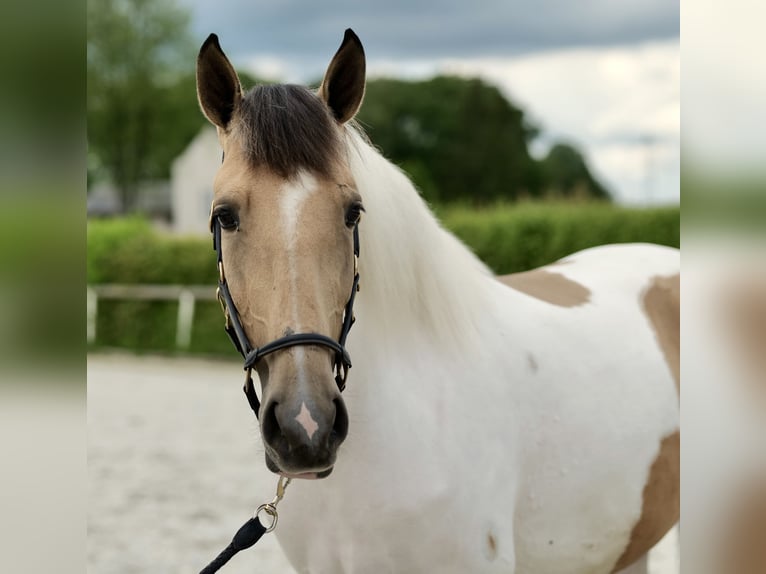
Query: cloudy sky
point(602, 74)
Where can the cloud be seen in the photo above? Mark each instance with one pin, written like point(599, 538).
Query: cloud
point(604, 75)
point(596, 93)
point(424, 28)
point(620, 105)
point(725, 89)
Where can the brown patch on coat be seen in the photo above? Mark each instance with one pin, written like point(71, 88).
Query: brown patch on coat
point(662, 505)
point(491, 547)
point(743, 549)
point(547, 286)
point(745, 306)
point(662, 305)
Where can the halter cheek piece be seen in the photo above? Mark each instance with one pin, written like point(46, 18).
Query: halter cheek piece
point(236, 332)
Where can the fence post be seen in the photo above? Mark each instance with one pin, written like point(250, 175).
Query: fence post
point(185, 319)
point(92, 313)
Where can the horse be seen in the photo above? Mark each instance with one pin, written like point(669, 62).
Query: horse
point(523, 424)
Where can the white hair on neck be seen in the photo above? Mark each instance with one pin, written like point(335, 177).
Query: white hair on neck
point(415, 275)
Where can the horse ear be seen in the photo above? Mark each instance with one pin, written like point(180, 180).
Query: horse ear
point(343, 85)
point(218, 89)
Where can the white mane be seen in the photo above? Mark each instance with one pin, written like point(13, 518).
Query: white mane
point(416, 277)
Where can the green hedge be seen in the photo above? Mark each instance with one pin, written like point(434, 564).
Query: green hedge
point(131, 251)
point(512, 238)
point(508, 238)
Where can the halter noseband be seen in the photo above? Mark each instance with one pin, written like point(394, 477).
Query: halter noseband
point(252, 355)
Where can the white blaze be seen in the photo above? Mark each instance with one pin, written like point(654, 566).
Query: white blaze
point(294, 195)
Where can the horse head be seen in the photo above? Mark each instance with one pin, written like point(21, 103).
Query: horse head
point(285, 212)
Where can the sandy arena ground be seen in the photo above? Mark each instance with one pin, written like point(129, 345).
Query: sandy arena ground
point(175, 468)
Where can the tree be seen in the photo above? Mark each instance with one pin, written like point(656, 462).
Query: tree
point(462, 140)
point(566, 174)
point(140, 88)
point(464, 137)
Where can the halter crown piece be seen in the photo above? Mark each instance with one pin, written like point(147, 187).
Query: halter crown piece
point(251, 355)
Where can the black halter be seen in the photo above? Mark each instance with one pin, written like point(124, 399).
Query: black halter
point(252, 355)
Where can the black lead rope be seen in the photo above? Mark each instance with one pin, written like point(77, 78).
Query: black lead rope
point(250, 533)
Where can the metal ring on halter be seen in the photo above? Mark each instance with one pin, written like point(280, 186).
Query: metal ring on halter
point(271, 510)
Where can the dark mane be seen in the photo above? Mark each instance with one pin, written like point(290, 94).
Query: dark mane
point(287, 128)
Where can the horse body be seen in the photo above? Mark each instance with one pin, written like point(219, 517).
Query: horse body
point(537, 423)
point(526, 425)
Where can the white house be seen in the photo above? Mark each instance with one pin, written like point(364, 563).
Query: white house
point(191, 183)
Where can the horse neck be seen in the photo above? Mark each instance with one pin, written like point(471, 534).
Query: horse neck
point(417, 280)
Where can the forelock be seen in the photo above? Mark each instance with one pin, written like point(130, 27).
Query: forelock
point(287, 128)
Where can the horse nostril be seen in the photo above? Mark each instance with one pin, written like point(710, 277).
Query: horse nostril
point(271, 429)
point(340, 424)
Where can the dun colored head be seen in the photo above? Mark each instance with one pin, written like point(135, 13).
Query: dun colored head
point(287, 204)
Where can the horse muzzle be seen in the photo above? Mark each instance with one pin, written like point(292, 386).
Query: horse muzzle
point(301, 436)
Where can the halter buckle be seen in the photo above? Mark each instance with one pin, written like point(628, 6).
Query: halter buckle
point(341, 374)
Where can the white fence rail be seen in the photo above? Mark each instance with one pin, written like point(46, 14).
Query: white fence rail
point(186, 295)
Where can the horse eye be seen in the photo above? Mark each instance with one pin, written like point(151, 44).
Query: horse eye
point(227, 218)
point(354, 214)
